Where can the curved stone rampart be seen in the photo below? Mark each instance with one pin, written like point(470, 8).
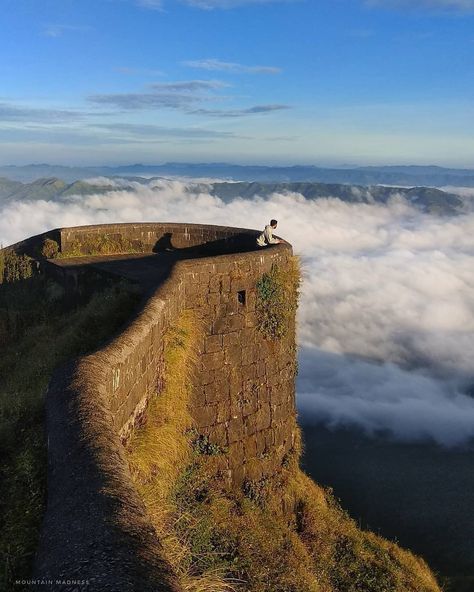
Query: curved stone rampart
point(96, 529)
point(154, 237)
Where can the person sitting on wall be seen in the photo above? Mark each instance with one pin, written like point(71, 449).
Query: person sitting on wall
point(267, 238)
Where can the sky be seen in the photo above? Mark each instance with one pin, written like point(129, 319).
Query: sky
point(323, 82)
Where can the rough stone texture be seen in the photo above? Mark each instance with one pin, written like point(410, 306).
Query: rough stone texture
point(96, 527)
point(245, 386)
point(153, 237)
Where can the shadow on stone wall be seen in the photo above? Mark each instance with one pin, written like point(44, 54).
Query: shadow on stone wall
point(96, 528)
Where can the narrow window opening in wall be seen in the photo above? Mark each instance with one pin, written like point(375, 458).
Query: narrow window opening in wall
point(241, 297)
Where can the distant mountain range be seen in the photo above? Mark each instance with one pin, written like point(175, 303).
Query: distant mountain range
point(52, 189)
point(428, 199)
point(48, 189)
point(388, 175)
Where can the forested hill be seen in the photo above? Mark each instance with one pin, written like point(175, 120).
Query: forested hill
point(47, 189)
point(427, 199)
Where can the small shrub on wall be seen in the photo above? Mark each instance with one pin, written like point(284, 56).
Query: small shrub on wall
point(50, 249)
point(14, 268)
point(277, 299)
point(2, 264)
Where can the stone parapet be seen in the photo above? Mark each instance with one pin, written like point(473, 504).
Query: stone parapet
point(96, 527)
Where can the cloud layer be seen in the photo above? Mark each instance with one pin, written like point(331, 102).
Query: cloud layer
point(256, 110)
point(215, 65)
point(387, 315)
point(183, 96)
point(13, 113)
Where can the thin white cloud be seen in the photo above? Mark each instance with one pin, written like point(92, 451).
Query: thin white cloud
point(150, 4)
point(59, 30)
point(189, 86)
point(146, 101)
point(128, 71)
point(444, 5)
point(215, 65)
point(186, 96)
point(225, 4)
point(207, 4)
point(182, 95)
point(20, 113)
point(233, 113)
point(159, 132)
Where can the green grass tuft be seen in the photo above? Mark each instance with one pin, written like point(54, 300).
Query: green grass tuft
point(277, 299)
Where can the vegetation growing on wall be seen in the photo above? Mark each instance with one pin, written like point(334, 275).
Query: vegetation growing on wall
point(103, 244)
point(50, 249)
point(277, 299)
point(47, 335)
point(15, 301)
point(14, 267)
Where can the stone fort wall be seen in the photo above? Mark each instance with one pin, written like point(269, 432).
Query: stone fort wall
point(96, 528)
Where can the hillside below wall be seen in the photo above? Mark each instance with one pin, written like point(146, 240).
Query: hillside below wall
point(96, 529)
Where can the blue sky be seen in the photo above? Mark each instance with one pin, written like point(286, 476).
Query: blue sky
point(270, 81)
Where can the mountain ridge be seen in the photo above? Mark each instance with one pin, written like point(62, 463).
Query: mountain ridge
point(430, 175)
point(426, 199)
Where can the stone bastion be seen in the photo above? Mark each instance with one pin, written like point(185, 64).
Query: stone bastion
point(96, 529)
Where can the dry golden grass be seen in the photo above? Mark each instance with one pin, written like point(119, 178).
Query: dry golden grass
point(346, 557)
point(158, 452)
point(298, 540)
point(101, 245)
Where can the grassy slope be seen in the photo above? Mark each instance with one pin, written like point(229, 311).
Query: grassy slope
point(289, 535)
point(215, 539)
point(36, 335)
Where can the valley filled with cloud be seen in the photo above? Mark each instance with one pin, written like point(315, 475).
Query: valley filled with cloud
point(386, 323)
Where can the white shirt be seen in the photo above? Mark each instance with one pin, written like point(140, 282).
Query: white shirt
point(266, 238)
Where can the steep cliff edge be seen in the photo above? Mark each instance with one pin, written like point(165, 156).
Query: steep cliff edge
point(174, 449)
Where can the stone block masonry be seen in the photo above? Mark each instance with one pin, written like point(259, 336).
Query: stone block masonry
point(96, 526)
point(244, 392)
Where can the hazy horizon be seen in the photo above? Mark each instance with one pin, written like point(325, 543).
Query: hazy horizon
point(260, 163)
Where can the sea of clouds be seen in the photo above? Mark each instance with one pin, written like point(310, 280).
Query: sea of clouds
point(386, 324)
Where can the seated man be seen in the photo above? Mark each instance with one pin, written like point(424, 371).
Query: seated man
point(267, 238)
